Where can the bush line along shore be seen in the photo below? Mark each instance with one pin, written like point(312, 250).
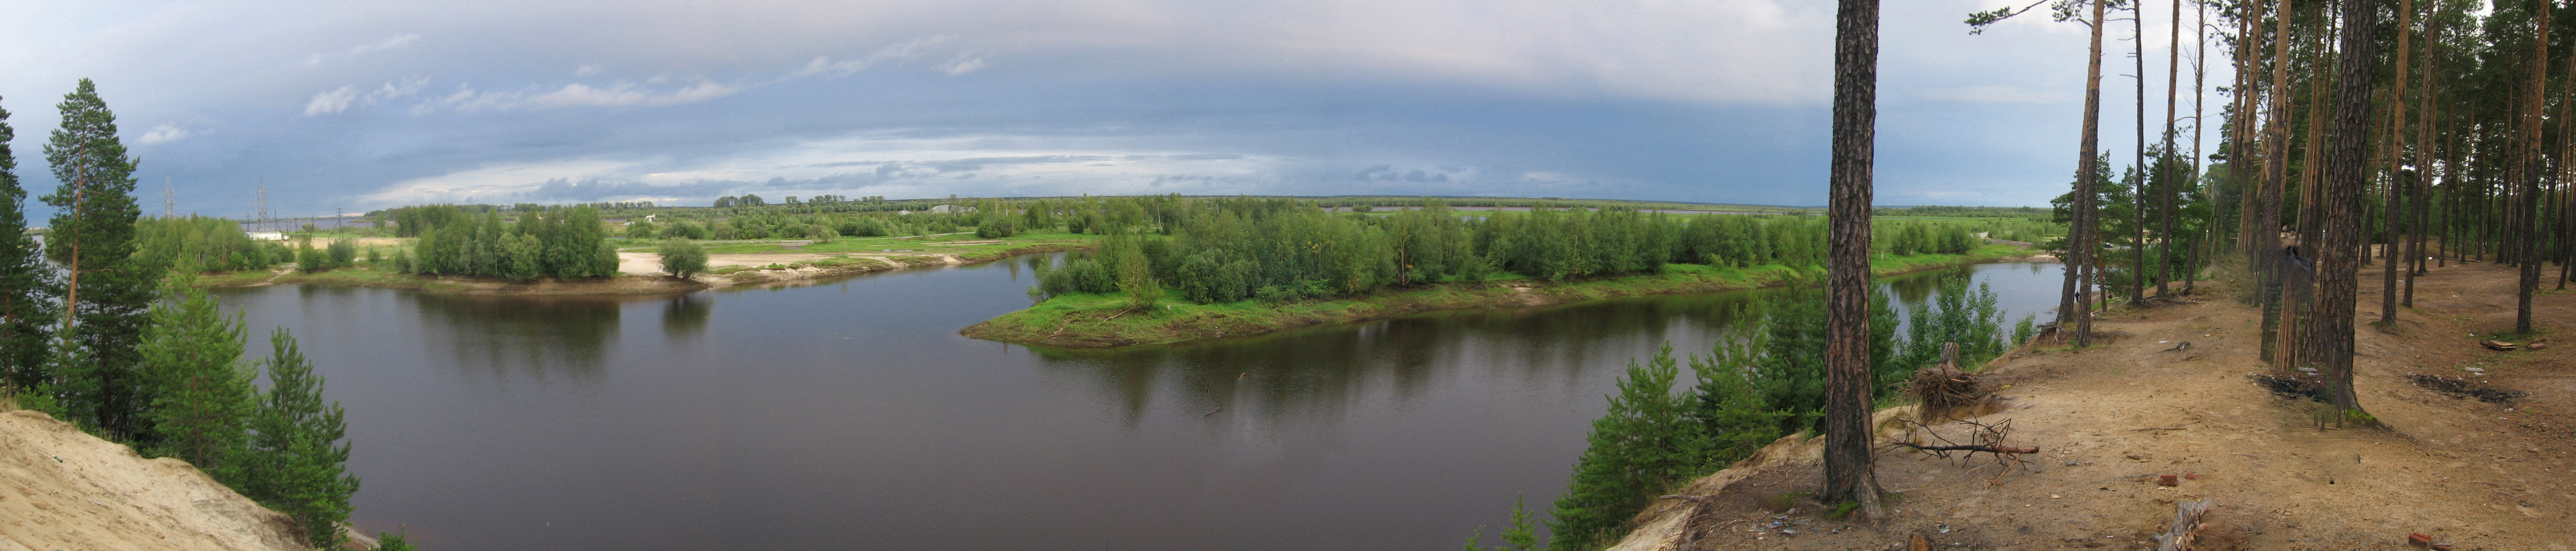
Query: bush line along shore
point(1092, 320)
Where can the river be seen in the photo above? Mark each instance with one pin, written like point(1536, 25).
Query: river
point(848, 414)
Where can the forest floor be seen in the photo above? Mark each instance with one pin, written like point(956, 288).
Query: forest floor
point(2111, 419)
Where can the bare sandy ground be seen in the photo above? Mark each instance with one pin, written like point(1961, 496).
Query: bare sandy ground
point(64, 489)
point(641, 263)
point(2110, 420)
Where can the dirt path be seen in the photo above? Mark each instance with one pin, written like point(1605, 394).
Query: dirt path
point(2113, 418)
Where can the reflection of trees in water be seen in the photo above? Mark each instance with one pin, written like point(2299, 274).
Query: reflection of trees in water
point(1317, 372)
point(686, 315)
point(538, 337)
point(1916, 287)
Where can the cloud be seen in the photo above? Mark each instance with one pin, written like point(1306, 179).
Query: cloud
point(1992, 93)
point(163, 133)
point(619, 94)
point(342, 98)
point(396, 41)
point(588, 70)
point(962, 64)
point(897, 53)
point(333, 101)
point(398, 88)
point(857, 165)
point(491, 182)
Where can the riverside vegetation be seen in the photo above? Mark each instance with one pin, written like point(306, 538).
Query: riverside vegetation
point(103, 326)
point(1244, 265)
point(1749, 392)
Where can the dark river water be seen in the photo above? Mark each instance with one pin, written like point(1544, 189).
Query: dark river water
point(848, 414)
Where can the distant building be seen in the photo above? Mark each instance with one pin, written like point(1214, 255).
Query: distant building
point(266, 236)
point(945, 209)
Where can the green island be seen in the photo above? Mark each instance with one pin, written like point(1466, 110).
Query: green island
point(1208, 268)
point(1099, 320)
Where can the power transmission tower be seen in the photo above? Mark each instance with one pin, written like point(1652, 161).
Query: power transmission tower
point(263, 214)
point(169, 199)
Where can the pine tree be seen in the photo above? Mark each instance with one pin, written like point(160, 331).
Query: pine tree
point(1849, 472)
point(107, 292)
point(201, 403)
point(296, 460)
point(27, 291)
point(1646, 443)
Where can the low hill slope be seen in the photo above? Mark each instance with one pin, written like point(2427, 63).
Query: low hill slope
point(2118, 422)
point(61, 488)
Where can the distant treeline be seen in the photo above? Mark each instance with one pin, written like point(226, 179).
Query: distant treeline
point(2026, 213)
point(829, 204)
point(1225, 250)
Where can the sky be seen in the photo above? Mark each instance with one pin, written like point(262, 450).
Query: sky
point(353, 106)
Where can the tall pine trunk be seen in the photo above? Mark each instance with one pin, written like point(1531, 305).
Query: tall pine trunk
point(2396, 133)
point(2341, 230)
point(1848, 473)
point(2527, 211)
point(2173, 78)
point(2266, 246)
point(2081, 247)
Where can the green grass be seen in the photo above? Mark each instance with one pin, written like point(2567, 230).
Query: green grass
point(1103, 320)
point(361, 275)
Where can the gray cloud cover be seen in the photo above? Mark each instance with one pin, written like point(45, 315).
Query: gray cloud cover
point(363, 105)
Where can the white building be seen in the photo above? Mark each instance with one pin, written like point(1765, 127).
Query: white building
point(266, 236)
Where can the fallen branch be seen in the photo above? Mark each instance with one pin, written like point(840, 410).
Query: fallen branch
point(1985, 437)
point(1972, 448)
point(1698, 499)
point(2186, 345)
point(2185, 426)
point(2185, 528)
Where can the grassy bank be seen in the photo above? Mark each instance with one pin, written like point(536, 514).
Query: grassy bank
point(1096, 320)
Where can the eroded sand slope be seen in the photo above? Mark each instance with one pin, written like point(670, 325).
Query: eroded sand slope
point(61, 488)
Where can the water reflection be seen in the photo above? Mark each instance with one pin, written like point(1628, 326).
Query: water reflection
point(499, 423)
point(531, 337)
point(686, 315)
point(1316, 372)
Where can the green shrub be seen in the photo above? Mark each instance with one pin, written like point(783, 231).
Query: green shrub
point(343, 252)
point(997, 227)
point(683, 258)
